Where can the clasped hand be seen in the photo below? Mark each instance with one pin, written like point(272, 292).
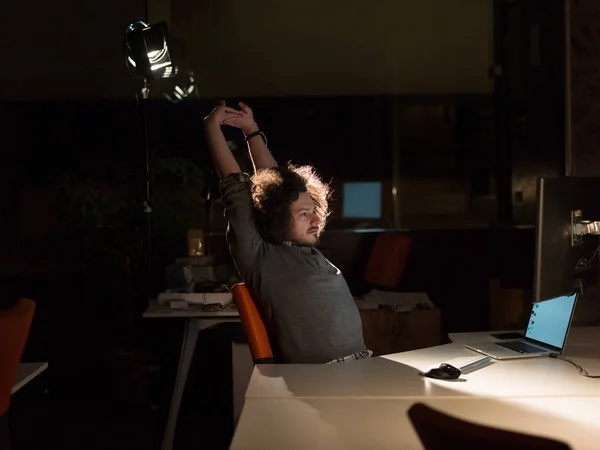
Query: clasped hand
point(225, 115)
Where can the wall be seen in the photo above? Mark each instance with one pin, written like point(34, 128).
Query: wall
point(585, 86)
point(74, 50)
point(311, 47)
point(66, 49)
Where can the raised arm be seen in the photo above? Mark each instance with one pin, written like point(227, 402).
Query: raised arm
point(259, 153)
point(245, 242)
point(224, 160)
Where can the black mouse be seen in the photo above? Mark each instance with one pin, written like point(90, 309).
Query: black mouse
point(444, 372)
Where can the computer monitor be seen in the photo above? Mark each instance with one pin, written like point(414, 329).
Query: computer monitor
point(565, 257)
point(361, 200)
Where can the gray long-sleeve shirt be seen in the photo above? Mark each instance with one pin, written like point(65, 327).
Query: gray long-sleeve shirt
point(312, 313)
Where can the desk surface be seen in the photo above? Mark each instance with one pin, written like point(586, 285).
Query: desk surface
point(26, 373)
point(396, 376)
point(363, 404)
point(383, 424)
point(157, 311)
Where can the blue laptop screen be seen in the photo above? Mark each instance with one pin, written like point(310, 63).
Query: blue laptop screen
point(549, 320)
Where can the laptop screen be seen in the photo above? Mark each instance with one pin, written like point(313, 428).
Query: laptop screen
point(550, 319)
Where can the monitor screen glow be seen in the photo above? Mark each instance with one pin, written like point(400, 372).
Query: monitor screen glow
point(361, 200)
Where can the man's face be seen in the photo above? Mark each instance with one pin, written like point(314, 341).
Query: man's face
point(304, 226)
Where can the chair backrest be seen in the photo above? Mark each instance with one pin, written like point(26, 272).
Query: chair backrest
point(387, 260)
point(14, 330)
point(253, 324)
point(439, 431)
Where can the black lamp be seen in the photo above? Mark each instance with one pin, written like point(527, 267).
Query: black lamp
point(148, 53)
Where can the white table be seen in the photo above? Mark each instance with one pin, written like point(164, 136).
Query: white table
point(196, 321)
point(26, 373)
point(396, 376)
point(364, 424)
point(362, 404)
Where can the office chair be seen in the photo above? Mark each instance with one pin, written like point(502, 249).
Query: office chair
point(438, 431)
point(253, 324)
point(387, 260)
point(14, 330)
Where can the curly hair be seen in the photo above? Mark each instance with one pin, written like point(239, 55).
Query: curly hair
point(275, 189)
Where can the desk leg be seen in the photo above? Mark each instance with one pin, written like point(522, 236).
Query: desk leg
point(188, 345)
point(242, 367)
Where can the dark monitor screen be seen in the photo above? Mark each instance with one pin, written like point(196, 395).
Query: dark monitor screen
point(557, 272)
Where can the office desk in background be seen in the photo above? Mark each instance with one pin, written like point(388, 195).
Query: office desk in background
point(363, 404)
point(197, 320)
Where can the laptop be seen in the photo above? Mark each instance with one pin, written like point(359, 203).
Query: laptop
point(546, 333)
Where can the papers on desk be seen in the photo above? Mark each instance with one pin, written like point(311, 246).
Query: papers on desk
point(180, 300)
point(399, 301)
point(165, 298)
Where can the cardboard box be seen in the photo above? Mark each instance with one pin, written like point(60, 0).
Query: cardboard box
point(388, 331)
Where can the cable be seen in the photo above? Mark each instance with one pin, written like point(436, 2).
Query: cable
point(581, 370)
point(585, 262)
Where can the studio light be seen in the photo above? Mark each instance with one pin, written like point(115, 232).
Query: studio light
point(182, 86)
point(147, 51)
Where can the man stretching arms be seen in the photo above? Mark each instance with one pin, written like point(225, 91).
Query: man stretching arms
point(275, 220)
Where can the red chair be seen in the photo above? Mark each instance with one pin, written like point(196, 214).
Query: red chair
point(388, 259)
point(253, 324)
point(14, 331)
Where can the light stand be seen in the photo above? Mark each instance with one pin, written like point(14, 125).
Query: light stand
point(147, 205)
point(148, 57)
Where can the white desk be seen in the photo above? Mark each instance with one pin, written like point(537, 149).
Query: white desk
point(362, 404)
point(26, 373)
point(396, 376)
point(196, 321)
point(347, 424)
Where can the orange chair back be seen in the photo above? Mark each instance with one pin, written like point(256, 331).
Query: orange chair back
point(387, 260)
point(253, 324)
point(438, 431)
point(14, 330)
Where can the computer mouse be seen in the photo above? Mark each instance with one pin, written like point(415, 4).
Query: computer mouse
point(444, 372)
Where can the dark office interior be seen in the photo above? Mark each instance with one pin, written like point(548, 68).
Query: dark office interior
point(453, 107)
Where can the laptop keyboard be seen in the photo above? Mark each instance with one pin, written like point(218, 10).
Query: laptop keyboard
point(521, 347)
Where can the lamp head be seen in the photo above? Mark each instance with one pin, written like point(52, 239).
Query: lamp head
point(182, 86)
point(147, 51)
